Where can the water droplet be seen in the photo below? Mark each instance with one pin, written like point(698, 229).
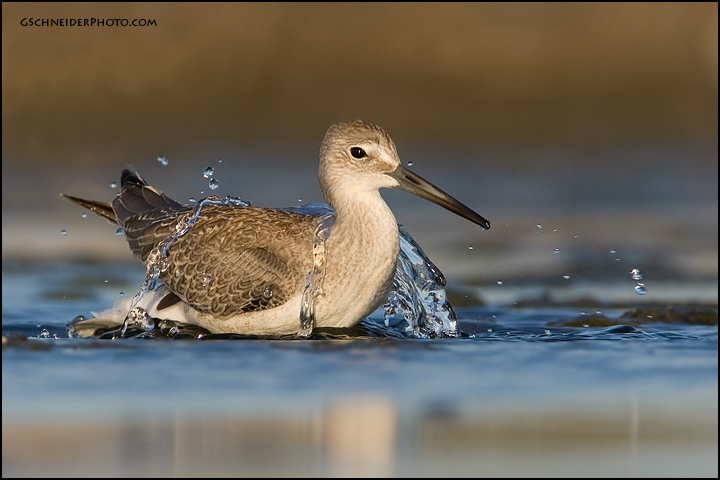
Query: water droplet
point(557, 250)
point(192, 200)
point(45, 333)
point(554, 230)
point(640, 289)
point(612, 251)
point(470, 247)
point(204, 279)
point(566, 277)
point(299, 199)
point(208, 172)
point(220, 160)
point(499, 282)
point(267, 293)
point(122, 294)
point(539, 226)
point(113, 184)
point(577, 236)
point(164, 264)
point(410, 163)
point(84, 215)
point(119, 232)
point(635, 274)
point(163, 161)
point(214, 184)
point(63, 232)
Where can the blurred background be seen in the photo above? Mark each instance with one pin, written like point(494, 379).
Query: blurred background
point(528, 112)
point(481, 74)
point(587, 133)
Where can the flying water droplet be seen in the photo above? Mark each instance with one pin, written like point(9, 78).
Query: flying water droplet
point(566, 277)
point(410, 163)
point(612, 251)
point(557, 250)
point(470, 247)
point(214, 184)
point(636, 274)
point(208, 172)
point(499, 282)
point(640, 289)
point(539, 226)
point(163, 161)
point(119, 232)
point(192, 200)
point(577, 236)
point(84, 215)
point(113, 184)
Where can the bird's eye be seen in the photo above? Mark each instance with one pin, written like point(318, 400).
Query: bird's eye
point(358, 152)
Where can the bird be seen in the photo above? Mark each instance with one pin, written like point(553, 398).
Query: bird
point(243, 269)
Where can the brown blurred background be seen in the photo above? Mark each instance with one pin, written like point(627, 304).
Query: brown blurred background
point(598, 119)
point(492, 73)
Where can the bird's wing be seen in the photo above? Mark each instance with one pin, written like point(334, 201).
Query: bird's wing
point(234, 259)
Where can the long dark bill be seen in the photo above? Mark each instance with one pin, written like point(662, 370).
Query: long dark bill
point(415, 184)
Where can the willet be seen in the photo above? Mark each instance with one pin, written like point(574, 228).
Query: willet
point(243, 269)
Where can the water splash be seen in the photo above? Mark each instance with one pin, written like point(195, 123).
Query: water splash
point(314, 281)
point(417, 304)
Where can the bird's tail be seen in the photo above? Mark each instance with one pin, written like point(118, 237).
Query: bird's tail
point(101, 208)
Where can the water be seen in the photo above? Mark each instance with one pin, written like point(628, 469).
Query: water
point(516, 388)
point(559, 367)
point(634, 391)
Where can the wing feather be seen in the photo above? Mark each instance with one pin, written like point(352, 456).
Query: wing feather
point(235, 259)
